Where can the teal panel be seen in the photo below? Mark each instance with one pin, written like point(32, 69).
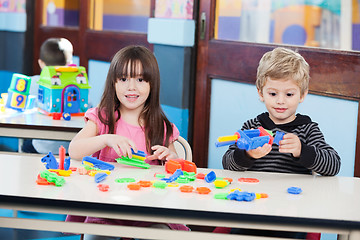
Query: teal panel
point(178, 116)
point(5, 80)
point(233, 103)
point(13, 21)
point(76, 60)
point(173, 32)
point(97, 73)
point(174, 65)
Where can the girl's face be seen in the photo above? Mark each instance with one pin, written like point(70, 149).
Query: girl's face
point(281, 98)
point(132, 92)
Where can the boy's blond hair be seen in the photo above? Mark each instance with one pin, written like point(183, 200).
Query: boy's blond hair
point(283, 63)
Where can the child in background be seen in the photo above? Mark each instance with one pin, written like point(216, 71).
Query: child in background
point(129, 116)
point(282, 83)
point(53, 52)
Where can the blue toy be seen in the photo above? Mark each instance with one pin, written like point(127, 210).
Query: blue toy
point(210, 177)
point(278, 137)
point(294, 190)
point(99, 177)
point(250, 139)
point(241, 196)
point(50, 161)
point(96, 163)
point(67, 163)
point(174, 177)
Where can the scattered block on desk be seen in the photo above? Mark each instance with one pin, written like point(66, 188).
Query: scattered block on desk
point(294, 190)
point(172, 165)
point(125, 180)
point(186, 188)
point(53, 178)
point(132, 162)
point(50, 161)
point(218, 183)
point(96, 163)
point(203, 190)
point(103, 187)
point(210, 177)
point(134, 186)
point(145, 183)
point(99, 177)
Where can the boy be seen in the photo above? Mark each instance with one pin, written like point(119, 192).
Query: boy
point(53, 52)
point(282, 83)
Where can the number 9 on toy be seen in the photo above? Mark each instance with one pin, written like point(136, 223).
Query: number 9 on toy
point(17, 101)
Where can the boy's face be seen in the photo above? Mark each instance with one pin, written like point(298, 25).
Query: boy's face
point(281, 98)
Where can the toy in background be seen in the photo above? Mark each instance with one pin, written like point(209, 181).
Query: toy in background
point(63, 89)
point(250, 139)
point(3, 100)
point(18, 92)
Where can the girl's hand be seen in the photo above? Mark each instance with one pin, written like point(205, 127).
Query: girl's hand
point(260, 151)
point(162, 153)
point(290, 144)
point(121, 145)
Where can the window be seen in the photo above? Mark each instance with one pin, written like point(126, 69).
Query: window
point(326, 24)
point(120, 15)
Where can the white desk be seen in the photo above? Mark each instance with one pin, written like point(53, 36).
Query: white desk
point(31, 124)
point(327, 204)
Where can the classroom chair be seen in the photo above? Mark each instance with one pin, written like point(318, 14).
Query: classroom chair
point(183, 149)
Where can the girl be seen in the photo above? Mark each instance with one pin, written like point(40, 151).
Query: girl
point(129, 116)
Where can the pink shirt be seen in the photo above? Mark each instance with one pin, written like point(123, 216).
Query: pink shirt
point(135, 133)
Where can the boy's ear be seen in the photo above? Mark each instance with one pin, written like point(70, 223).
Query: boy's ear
point(41, 63)
point(302, 98)
point(261, 96)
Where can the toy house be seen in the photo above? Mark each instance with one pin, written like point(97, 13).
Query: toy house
point(63, 89)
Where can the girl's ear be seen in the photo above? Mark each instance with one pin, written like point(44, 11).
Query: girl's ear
point(261, 96)
point(302, 98)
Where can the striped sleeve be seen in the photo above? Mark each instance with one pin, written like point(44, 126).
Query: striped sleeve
point(316, 154)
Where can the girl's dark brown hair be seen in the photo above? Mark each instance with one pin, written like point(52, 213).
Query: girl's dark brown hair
point(153, 117)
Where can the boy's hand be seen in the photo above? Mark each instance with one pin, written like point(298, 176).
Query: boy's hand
point(290, 144)
point(121, 145)
point(260, 151)
point(161, 153)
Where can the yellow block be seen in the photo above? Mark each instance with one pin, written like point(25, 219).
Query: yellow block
point(227, 138)
point(66, 69)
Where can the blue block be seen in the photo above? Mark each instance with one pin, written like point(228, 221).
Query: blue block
point(278, 137)
point(99, 177)
point(221, 144)
point(98, 163)
point(259, 141)
point(210, 177)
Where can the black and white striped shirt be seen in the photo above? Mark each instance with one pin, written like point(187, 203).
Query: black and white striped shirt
point(316, 155)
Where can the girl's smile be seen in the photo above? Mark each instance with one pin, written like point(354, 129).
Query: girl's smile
point(132, 97)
